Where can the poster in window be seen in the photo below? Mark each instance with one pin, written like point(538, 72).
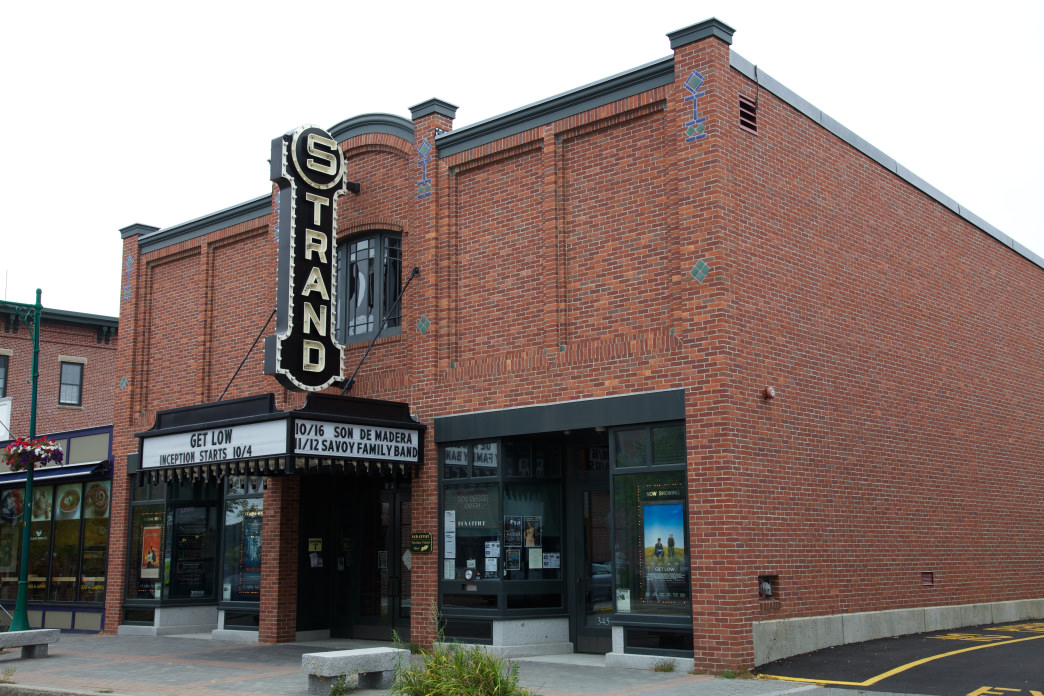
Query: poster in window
point(150, 547)
point(11, 505)
point(531, 533)
point(663, 527)
point(513, 558)
point(512, 530)
point(42, 504)
point(247, 579)
point(96, 499)
point(252, 540)
point(69, 501)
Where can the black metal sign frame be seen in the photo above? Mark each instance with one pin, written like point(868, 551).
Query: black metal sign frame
point(308, 167)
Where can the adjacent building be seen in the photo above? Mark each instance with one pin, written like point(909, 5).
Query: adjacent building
point(669, 365)
point(69, 525)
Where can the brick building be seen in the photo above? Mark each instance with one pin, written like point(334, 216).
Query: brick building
point(686, 369)
point(69, 523)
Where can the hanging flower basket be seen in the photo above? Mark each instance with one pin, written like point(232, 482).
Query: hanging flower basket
point(40, 452)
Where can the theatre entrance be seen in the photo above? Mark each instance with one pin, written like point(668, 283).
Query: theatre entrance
point(354, 572)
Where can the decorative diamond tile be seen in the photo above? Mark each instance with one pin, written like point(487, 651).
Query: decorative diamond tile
point(694, 81)
point(700, 270)
point(423, 324)
point(424, 148)
point(123, 383)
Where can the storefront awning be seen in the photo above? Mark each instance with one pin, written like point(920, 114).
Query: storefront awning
point(49, 473)
point(330, 434)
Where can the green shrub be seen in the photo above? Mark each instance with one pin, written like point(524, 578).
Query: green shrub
point(458, 670)
point(453, 669)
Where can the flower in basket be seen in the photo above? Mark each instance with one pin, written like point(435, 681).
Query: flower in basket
point(39, 452)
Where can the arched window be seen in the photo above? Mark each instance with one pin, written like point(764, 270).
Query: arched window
point(369, 275)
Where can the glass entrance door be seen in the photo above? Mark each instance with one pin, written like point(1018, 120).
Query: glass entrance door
point(374, 567)
point(591, 605)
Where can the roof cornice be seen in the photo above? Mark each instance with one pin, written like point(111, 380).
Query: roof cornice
point(627, 84)
point(365, 124)
point(250, 210)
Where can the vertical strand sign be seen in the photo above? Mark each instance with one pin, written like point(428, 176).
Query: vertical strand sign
point(308, 168)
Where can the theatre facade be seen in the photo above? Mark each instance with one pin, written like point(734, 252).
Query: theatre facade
point(671, 365)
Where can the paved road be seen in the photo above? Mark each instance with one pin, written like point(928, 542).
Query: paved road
point(992, 660)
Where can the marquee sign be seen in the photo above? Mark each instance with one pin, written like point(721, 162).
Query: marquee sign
point(351, 441)
point(308, 168)
point(217, 443)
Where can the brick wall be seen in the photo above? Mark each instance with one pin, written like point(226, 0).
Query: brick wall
point(901, 341)
point(59, 339)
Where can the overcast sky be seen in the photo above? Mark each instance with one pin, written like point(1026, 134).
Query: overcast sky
point(159, 113)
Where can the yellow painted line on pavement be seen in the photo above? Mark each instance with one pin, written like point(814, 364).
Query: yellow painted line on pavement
point(901, 668)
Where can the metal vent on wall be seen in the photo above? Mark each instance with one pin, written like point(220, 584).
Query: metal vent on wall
point(748, 114)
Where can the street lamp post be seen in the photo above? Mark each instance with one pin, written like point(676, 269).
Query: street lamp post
point(20, 619)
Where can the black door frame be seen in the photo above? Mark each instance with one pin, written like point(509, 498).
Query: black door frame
point(362, 556)
point(581, 585)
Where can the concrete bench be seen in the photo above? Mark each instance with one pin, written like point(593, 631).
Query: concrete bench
point(33, 642)
point(375, 667)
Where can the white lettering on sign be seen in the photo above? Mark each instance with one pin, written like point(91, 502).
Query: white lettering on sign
point(325, 438)
point(207, 445)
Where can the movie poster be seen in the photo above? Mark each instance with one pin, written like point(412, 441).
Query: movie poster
point(663, 531)
point(150, 549)
point(531, 533)
point(512, 530)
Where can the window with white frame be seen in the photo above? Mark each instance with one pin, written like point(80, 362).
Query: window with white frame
point(3, 376)
point(70, 388)
point(369, 275)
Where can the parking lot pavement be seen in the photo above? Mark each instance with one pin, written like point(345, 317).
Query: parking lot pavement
point(992, 660)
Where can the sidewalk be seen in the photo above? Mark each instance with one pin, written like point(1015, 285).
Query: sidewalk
point(81, 665)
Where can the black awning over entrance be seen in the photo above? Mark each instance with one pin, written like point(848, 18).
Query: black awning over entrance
point(249, 436)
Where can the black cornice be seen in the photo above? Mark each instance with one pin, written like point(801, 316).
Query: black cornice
point(592, 96)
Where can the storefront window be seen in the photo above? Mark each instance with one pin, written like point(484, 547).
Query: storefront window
point(631, 447)
point(652, 558)
point(668, 445)
point(40, 542)
point(96, 499)
point(241, 571)
point(174, 541)
point(61, 568)
point(471, 548)
point(479, 460)
point(532, 532)
point(485, 459)
point(11, 511)
point(66, 547)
